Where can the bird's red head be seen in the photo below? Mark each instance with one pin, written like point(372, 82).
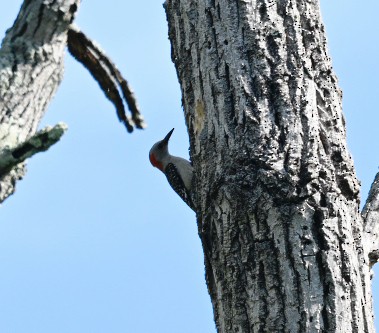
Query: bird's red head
point(159, 152)
point(155, 162)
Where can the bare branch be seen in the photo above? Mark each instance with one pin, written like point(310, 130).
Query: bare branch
point(105, 72)
point(39, 142)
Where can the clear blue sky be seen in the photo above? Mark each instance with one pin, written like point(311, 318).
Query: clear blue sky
point(94, 240)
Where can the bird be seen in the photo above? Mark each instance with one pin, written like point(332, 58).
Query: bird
point(178, 171)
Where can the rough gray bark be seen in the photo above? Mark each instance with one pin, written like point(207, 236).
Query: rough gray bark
point(371, 220)
point(278, 213)
point(31, 68)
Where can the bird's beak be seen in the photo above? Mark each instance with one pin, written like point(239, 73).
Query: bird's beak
point(167, 137)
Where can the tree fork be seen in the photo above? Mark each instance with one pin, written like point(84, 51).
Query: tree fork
point(31, 69)
point(277, 195)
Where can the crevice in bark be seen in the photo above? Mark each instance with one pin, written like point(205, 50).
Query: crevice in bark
point(40, 18)
point(263, 313)
point(263, 11)
point(20, 32)
point(218, 11)
point(280, 289)
point(292, 263)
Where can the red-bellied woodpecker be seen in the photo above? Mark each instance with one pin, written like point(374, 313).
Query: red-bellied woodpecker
point(178, 171)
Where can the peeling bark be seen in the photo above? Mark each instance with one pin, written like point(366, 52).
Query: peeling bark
point(277, 195)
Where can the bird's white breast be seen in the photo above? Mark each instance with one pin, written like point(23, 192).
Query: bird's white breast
point(184, 168)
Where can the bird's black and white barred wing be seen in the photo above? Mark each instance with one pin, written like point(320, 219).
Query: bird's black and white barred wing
point(177, 184)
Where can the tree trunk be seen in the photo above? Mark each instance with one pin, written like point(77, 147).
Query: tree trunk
point(31, 68)
point(284, 241)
